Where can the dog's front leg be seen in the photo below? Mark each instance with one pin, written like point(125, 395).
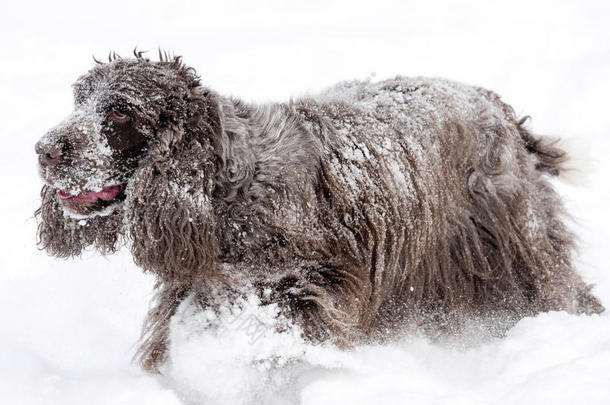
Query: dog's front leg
point(328, 304)
point(154, 340)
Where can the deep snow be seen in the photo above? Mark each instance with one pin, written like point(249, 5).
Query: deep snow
point(68, 328)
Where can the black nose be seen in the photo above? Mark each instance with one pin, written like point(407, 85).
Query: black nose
point(48, 155)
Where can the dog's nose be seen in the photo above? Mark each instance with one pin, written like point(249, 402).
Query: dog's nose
point(48, 155)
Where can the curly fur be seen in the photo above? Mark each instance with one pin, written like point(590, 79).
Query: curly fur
point(368, 210)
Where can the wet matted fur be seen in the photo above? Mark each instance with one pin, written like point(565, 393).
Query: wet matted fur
point(366, 211)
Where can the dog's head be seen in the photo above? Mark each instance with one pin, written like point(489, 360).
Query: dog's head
point(135, 158)
point(119, 109)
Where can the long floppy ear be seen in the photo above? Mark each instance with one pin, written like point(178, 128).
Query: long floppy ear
point(64, 236)
point(169, 216)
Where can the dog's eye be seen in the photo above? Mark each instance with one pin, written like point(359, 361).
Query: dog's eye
point(117, 116)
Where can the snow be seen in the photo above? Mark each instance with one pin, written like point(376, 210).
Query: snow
point(68, 328)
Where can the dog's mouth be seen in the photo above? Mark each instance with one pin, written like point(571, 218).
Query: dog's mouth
point(92, 203)
point(105, 194)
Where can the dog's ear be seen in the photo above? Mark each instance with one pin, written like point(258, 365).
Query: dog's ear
point(63, 236)
point(169, 216)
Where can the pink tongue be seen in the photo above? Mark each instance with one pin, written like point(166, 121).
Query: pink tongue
point(107, 193)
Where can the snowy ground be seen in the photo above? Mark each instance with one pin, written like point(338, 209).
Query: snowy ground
point(68, 328)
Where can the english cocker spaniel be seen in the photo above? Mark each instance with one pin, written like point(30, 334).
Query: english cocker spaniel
point(368, 210)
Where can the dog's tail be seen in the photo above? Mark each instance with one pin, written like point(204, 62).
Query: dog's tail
point(551, 158)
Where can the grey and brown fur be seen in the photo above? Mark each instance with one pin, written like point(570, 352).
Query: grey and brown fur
point(368, 210)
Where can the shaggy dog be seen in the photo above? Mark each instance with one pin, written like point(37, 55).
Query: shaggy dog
point(365, 211)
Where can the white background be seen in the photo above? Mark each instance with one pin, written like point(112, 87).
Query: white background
point(68, 328)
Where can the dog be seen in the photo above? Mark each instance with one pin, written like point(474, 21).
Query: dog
point(366, 211)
